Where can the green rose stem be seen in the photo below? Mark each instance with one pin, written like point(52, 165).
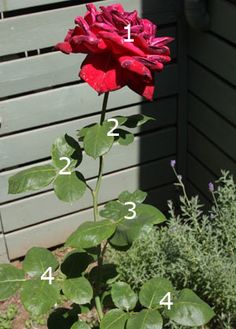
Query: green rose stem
point(99, 180)
point(95, 194)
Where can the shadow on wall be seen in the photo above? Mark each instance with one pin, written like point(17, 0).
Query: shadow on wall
point(158, 139)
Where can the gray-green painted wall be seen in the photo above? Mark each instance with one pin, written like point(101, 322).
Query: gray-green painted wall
point(38, 103)
point(211, 87)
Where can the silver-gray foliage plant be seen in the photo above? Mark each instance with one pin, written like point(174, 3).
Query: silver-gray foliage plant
point(195, 250)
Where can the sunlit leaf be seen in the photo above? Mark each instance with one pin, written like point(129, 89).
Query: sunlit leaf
point(66, 146)
point(114, 319)
point(69, 188)
point(190, 310)
point(11, 279)
point(31, 179)
point(137, 196)
point(153, 291)
point(78, 290)
point(146, 319)
point(37, 260)
point(90, 234)
point(80, 325)
point(123, 296)
point(38, 297)
point(96, 141)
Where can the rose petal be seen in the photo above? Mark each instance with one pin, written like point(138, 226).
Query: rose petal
point(102, 72)
point(98, 27)
point(69, 34)
point(112, 62)
point(65, 47)
point(83, 24)
point(149, 29)
point(159, 42)
point(118, 46)
point(135, 83)
point(113, 8)
point(91, 14)
point(153, 65)
point(131, 64)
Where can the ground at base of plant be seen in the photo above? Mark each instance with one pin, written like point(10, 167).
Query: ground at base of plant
point(19, 318)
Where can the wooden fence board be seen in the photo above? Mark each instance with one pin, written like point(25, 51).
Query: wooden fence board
point(38, 142)
point(46, 206)
point(3, 250)
point(72, 102)
point(192, 191)
point(31, 122)
point(223, 22)
point(31, 73)
point(55, 232)
point(45, 29)
point(215, 92)
point(209, 154)
point(211, 125)
point(199, 175)
point(119, 157)
point(214, 53)
point(46, 70)
point(7, 5)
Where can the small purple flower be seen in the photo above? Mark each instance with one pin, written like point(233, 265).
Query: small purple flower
point(211, 187)
point(173, 163)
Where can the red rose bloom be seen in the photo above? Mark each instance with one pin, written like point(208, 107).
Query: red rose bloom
point(112, 62)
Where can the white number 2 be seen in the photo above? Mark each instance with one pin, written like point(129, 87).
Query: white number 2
point(128, 28)
point(110, 132)
point(62, 171)
point(133, 206)
point(166, 301)
point(48, 278)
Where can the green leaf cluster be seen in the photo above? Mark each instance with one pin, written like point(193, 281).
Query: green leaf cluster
point(7, 317)
point(196, 250)
point(97, 140)
point(115, 226)
point(188, 309)
point(68, 187)
point(66, 155)
point(39, 296)
point(127, 230)
point(83, 278)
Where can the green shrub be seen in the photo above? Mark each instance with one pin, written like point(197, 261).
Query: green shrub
point(195, 250)
point(7, 317)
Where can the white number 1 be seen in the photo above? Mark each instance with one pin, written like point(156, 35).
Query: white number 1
point(48, 278)
point(128, 28)
point(166, 301)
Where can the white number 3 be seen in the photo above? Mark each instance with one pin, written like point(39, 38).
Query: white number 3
point(133, 206)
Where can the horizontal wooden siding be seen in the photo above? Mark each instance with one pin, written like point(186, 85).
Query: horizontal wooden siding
point(212, 97)
point(41, 97)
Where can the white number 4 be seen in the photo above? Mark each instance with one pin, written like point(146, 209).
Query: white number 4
point(48, 278)
point(166, 301)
